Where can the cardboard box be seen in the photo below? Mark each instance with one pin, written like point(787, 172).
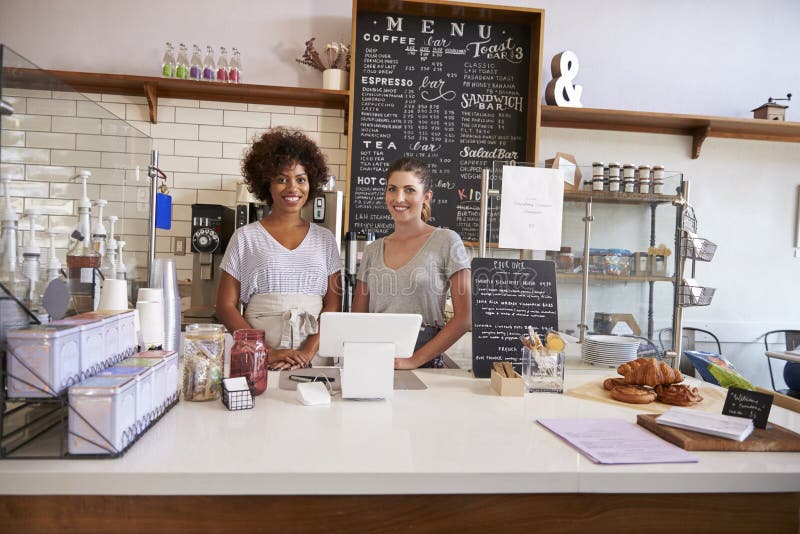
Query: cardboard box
point(507, 387)
point(618, 322)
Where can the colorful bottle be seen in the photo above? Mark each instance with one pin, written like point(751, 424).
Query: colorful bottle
point(196, 64)
point(209, 69)
point(222, 65)
point(168, 63)
point(235, 70)
point(182, 69)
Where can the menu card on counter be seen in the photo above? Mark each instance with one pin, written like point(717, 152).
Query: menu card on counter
point(724, 426)
point(750, 404)
point(615, 441)
point(450, 92)
point(508, 296)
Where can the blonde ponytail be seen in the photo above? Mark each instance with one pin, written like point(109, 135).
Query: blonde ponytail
point(426, 211)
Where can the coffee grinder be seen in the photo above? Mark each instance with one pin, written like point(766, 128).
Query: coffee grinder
point(212, 227)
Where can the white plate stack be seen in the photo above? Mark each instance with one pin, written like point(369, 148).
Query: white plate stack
point(609, 351)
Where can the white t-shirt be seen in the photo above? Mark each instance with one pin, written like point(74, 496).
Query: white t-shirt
point(262, 265)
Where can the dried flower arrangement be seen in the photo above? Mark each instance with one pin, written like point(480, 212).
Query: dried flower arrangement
point(336, 56)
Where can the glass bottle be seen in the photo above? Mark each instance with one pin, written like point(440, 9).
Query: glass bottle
point(168, 63)
point(235, 70)
point(249, 357)
point(182, 69)
point(32, 268)
point(12, 316)
point(222, 65)
point(108, 266)
point(203, 354)
point(82, 258)
point(196, 64)
point(99, 235)
point(53, 265)
point(122, 270)
point(209, 69)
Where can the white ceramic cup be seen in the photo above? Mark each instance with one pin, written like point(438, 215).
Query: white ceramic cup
point(113, 295)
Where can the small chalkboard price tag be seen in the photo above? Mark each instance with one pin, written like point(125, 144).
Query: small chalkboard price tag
point(751, 404)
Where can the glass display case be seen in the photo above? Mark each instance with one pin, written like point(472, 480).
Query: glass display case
point(617, 263)
point(74, 210)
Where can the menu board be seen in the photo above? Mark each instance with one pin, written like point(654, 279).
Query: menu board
point(508, 296)
point(450, 92)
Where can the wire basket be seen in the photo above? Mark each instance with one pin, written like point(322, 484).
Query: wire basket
point(698, 248)
point(689, 222)
point(695, 295)
point(239, 400)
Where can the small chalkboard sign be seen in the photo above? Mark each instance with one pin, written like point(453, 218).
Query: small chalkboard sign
point(508, 296)
point(751, 404)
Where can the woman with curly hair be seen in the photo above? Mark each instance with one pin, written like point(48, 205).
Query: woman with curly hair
point(284, 270)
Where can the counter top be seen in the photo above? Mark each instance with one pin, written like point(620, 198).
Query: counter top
point(455, 437)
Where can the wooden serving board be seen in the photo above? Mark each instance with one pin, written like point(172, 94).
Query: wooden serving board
point(774, 438)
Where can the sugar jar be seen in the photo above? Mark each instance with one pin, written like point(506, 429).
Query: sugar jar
point(203, 356)
point(249, 357)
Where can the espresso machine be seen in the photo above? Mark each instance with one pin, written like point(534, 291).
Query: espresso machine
point(212, 227)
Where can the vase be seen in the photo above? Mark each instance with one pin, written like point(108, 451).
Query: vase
point(335, 79)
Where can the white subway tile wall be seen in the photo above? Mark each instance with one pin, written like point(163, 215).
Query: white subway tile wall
point(53, 135)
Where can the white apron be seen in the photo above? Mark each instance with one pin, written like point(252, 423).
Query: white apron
point(287, 319)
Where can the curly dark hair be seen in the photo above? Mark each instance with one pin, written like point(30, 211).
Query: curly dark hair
point(277, 150)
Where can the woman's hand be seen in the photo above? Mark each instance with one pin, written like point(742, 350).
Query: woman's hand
point(405, 363)
point(280, 359)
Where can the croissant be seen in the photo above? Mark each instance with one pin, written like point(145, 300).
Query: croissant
point(649, 372)
point(679, 395)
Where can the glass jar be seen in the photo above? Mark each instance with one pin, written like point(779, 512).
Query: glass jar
point(249, 357)
point(597, 175)
point(203, 358)
point(644, 179)
point(658, 179)
point(628, 177)
point(613, 177)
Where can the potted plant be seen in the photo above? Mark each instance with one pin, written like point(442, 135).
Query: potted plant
point(334, 63)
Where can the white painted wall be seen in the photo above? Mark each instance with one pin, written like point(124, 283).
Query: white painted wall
point(714, 58)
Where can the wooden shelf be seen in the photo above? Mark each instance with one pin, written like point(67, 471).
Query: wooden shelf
point(698, 127)
point(613, 278)
point(619, 198)
point(152, 88)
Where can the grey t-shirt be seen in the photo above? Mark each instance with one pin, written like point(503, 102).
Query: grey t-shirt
point(419, 286)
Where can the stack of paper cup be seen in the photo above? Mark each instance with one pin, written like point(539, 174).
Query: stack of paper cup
point(113, 295)
point(165, 276)
point(151, 319)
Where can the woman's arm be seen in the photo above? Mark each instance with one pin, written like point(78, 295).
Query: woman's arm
point(228, 303)
point(360, 298)
point(461, 294)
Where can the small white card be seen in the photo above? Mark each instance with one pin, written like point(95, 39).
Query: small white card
point(531, 208)
point(724, 426)
point(236, 384)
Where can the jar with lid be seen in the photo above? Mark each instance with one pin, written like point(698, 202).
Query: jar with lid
point(629, 177)
point(597, 176)
point(658, 179)
point(613, 177)
point(203, 354)
point(644, 178)
point(249, 357)
point(565, 260)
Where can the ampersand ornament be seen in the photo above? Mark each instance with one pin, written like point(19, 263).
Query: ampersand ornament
point(560, 91)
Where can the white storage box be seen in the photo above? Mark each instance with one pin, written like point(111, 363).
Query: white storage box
point(46, 357)
point(145, 395)
point(111, 336)
point(166, 375)
point(126, 331)
point(92, 347)
point(102, 415)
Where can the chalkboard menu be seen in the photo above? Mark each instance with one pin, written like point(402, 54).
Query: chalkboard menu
point(508, 296)
point(451, 91)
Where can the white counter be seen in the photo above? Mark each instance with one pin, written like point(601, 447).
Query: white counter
point(455, 437)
